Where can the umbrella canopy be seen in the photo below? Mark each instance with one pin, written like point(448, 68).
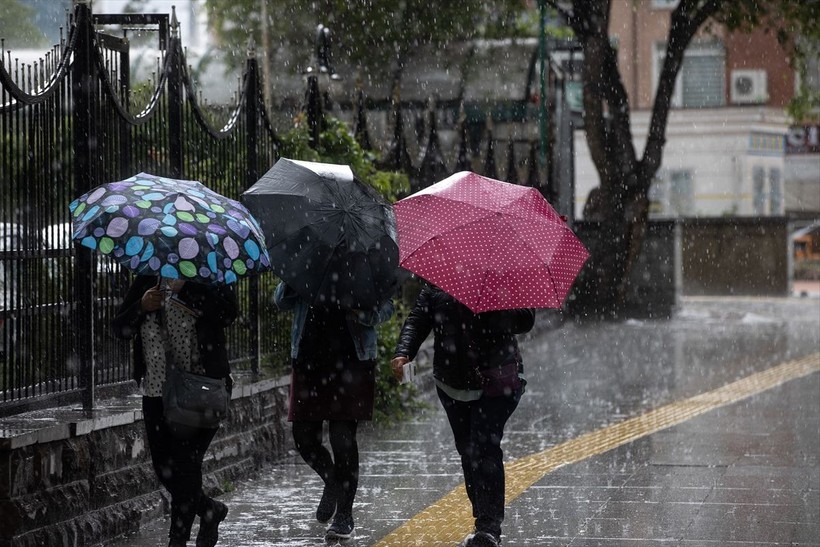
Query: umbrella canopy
point(174, 228)
point(490, 244)
point(330, 236)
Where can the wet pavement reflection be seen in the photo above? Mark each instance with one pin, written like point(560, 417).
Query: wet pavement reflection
point(742, 474)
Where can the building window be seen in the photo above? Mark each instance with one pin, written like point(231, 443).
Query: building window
point(681, 192)
point(775, 192)
point(701, 79)
point(657, 196)
point(758, 189)
point(665, 4)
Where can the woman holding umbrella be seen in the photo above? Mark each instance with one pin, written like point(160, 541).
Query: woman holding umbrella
point(333, 380)
point(332, 241)
point(174, 230)
point(478, 374)
point(491, 252)
point(185, 322)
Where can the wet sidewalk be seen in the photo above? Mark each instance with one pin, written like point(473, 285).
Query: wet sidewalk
point(699, 430)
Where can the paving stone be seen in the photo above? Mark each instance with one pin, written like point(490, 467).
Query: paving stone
point(742, 474)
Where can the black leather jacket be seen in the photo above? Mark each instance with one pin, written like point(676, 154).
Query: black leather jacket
point(464, 342)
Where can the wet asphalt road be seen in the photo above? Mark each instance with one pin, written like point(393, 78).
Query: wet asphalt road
point(747, 473)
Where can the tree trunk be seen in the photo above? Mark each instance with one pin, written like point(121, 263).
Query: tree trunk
point(622, 204)
point(603, 284)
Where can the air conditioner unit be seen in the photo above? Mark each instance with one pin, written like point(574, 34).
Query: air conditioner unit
point(749, 87)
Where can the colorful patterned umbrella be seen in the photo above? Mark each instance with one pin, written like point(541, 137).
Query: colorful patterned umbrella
point(492, 245)
point(174, 228)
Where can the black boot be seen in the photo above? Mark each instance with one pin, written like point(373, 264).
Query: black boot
point(213, 514)
point(180, 529)
point(327, 505)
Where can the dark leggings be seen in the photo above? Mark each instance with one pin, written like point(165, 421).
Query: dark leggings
point(177, 462)
point(343, 467)
point(478, 427)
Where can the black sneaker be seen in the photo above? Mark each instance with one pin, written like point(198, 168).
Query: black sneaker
point(466, 541)
point(327, 505)
point(340, 528)
point(209, 524)
point(483, 539)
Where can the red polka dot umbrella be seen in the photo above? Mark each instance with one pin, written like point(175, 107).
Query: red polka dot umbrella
point(178, 229)
point(490, 244)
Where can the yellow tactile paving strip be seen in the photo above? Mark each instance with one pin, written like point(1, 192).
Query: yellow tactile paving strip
point(446, 522)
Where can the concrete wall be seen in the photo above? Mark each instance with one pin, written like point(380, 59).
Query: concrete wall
point(655, 279)
point(719, 150)
point(716, 256)
point(736, 256)
point(70, 478)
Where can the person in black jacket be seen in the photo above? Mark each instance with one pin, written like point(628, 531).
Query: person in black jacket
point(478, 373)
point(185, 322)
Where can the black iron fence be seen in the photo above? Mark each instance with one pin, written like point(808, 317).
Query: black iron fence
point(68, 123)
point(72, 121)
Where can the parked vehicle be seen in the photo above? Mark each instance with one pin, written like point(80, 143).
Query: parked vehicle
point(16, 246)
point(57, 237)
point(806, 244)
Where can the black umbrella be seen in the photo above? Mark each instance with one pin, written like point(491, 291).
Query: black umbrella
point(330, 236)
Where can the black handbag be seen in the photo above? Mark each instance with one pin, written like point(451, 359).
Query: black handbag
point(190, 400)
point(503, 380)
point(194, 400)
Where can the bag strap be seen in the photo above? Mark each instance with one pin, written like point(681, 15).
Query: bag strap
point(170, 362)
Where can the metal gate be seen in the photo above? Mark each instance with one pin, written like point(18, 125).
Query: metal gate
point(67, 124)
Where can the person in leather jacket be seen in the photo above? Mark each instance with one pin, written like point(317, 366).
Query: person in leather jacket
point(478, 374)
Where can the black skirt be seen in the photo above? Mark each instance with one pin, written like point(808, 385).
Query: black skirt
point(328, 381)
point(341, 390)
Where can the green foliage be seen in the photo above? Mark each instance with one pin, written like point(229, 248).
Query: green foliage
point(394, 401)
point(337, 145)
point(379, 35)
point(805, 106)
point(17, 27)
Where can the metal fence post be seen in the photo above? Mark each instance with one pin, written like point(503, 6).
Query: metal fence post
point(543, 77)
point(84, 87)
point(313, 106)
point(176, 103)
point(251, 176)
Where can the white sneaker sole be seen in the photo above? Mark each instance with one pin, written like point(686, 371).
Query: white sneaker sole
point(337, 535)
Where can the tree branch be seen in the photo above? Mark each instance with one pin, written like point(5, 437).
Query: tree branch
point(568, 16)
point(686, 20)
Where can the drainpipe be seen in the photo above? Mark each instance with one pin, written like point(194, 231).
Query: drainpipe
point(542, 75)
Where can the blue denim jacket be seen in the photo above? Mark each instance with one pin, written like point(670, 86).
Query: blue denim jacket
point(361, 324)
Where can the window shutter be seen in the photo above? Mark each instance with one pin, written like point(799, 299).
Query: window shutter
point(703, 79)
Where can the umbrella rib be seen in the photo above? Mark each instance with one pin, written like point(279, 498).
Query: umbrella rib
point(526, 242)
point(324, 273)
point(552, 283)
point(463, 203)
point(498, 242)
